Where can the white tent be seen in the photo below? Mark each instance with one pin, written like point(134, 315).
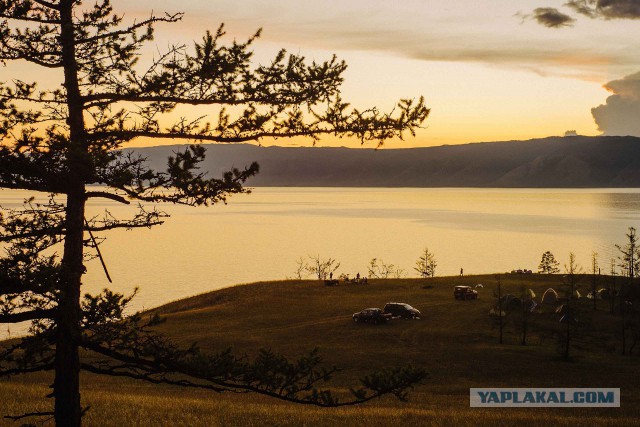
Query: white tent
point(549, 297)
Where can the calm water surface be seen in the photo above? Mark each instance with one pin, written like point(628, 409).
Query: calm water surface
point(260, 236)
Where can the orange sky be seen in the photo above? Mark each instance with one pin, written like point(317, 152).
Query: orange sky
point(485, 73)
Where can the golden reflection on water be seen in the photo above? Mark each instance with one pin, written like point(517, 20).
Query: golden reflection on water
point(260, 236)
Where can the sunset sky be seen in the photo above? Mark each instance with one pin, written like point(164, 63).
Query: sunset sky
point(486, 72)
point(488, 69)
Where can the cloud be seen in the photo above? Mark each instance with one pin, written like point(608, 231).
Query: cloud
point(427, 31)
point(607, 9)
point(621, 113)
point(551, 17)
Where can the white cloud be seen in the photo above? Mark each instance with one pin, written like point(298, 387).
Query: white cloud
point(621, 113)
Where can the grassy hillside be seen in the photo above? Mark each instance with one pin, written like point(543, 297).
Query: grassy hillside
point(455, 341)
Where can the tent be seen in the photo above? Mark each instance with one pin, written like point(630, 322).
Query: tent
point(549, 297)
point(530, 305)
point(600, 294)
point(510, 302)
point(497, 313)
point(562, 309)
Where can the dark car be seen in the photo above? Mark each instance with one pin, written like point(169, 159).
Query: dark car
point(371, 315)
point(400, 309)
point(464, 293)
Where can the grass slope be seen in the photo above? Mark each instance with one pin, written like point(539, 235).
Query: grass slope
point(454, 341)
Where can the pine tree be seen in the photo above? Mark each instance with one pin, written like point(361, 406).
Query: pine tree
point(548, 264)
point(426, 264)
point(62, 140)
point(630, 255)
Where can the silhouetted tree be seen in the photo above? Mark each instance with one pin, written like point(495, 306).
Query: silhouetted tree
point(321, 268)
point(378, 269)
point(498, 312)
point(62, 140)
point(426, 264)
point(526, 307)
point(568, 319)
point(548, 264)
point(301, 267)
point(630, 255)
point(611, 285)
point(594, 283)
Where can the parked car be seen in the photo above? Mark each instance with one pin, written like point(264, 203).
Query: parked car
point(464, 293)
point(371, 315)
point(400, 309)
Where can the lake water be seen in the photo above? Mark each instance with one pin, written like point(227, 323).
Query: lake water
point(260, 236)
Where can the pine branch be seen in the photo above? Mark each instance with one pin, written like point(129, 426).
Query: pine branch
point(106, 195)
point(131, 29)
point(27, 370)
point(27, 315)
point(11, 285)
point(47, 232)
point(47, 4)
point(114, 372)
point(247, 379)
point(12, 53)
point(124, 225)
point(129, 135)
point(30, 19)
point(100, 99)
point(28, 415)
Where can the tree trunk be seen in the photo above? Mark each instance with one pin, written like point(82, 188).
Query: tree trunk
point(567, 343)
point(525, 324)
point(67, 411)
point(594, 286)
point(612, 296)
point(500, 311)
point(66, 386)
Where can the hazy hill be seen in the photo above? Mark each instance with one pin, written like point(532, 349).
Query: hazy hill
point(550, 162)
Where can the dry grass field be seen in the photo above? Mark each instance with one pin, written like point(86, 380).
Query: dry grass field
point(454, 340)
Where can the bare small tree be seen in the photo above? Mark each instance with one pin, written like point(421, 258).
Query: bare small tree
point(322, 268)
point(572, 274)
point(594, 281)
point(426, 264)
point(611, 285)
point(499, 313)
point(379, 270)
point(399, 273)
point(301, 267)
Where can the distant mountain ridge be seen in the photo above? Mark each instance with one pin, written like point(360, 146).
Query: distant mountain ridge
point(572, 162)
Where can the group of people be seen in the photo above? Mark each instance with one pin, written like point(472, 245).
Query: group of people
point(345, 278)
